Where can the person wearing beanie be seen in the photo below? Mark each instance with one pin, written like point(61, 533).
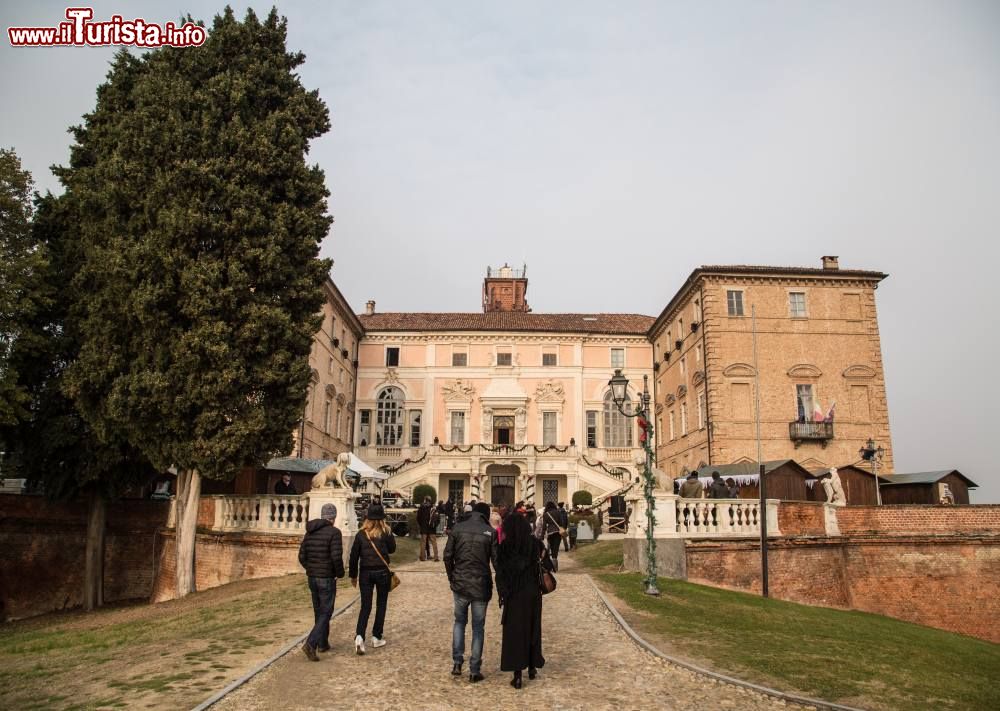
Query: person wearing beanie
point(321, 553)
point(369, 567)
point(468, 555)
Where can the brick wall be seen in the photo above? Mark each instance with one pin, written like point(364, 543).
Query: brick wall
point(895, 520)
point(801, 519)
point(944, 582)
point(42, 546)
point(222, 558)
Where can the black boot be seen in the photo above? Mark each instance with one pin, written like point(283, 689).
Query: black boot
point(532, 672)
point(516, 681)
point(456, 670)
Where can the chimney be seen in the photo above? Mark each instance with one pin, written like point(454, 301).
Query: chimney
point(370, 306)
point(830, 263)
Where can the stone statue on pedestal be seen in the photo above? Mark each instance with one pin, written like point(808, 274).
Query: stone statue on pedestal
point(833, 488)
point(333, 474)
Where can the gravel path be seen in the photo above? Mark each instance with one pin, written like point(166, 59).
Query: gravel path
point(590, 662)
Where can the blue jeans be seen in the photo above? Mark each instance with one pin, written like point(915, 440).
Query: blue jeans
point(478, 631)
point(370, 581)
point(324, 594)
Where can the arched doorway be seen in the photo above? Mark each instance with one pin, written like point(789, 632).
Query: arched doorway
point(502, 480)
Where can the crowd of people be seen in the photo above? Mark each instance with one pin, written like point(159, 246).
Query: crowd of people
point(514, 546)
point(692, 488)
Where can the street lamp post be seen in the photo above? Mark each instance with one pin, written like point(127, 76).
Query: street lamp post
point(870, 453)
point(619, 393)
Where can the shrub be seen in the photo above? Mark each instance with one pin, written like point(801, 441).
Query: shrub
point(582, 498)
point(592, 520)
point(422, 490)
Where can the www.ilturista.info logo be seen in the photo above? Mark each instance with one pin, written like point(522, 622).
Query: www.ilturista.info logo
point(80, 31)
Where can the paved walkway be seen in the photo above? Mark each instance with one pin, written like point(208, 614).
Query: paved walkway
point(590, 662)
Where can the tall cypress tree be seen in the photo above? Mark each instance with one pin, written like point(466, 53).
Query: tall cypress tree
point(201, 285)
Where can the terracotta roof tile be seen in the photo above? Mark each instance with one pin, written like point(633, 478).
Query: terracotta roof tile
point(614, 324)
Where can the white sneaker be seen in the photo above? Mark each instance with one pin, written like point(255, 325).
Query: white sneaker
point(376, 642)
point(359, 644)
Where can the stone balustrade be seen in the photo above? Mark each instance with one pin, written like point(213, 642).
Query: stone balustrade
point(264, 513)
point(703, 518)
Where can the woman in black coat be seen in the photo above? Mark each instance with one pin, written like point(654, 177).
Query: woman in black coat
point(518, 559)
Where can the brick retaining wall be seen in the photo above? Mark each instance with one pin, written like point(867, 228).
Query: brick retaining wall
point(896, 520)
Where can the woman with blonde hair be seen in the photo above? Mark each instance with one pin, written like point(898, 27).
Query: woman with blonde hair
point(373, 544)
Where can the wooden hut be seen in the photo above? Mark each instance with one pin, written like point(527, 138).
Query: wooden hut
point(858, 483)
point(787, 480)
point(926, 487)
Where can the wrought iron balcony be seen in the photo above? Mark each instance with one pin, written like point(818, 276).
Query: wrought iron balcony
point(800, 432)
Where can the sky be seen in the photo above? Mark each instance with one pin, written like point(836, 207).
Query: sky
point(614, 147)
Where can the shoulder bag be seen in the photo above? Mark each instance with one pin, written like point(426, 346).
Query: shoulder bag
point(562, 531)
point(546, 580)
point(394, 580)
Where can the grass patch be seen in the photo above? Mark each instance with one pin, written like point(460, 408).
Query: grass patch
point(600, 555)
point(836, 655)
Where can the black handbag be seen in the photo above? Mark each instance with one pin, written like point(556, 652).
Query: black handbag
point(546, 580)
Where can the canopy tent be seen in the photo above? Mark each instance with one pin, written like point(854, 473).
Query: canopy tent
point(293, 464)
point(364, 471)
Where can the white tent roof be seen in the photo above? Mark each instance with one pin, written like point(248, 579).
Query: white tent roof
point(364, 471)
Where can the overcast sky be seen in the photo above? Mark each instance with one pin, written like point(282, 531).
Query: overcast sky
point(615, 147)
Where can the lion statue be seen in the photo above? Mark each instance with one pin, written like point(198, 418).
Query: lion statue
point(333, 474)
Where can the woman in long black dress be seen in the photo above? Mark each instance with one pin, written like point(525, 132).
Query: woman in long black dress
point(518, 559)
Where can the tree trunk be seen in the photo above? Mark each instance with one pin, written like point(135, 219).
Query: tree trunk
point(188, 495)
point(93, 577)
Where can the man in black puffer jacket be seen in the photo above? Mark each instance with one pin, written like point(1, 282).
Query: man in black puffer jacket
point(470, 551)
point(322, 555)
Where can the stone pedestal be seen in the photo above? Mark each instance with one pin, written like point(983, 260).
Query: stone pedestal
point(671, 560)
point(347, 520)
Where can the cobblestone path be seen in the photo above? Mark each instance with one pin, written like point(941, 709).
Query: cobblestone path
point(590, 662)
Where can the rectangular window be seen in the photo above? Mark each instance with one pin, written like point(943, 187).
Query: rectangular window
point(329, 367)
point(458, 428)
point(340, 414)
point(701, 410)
point(797, 304)
point(673, 433)
point(504, 358)
point(697, 353)
point(680, 329)
point(341, 377)
point(326, 417)
point(548, 359)
point(459, 360)
point(684, 418)
point(734, 300)
point(456, 490)
point(548, 428)
point(804, 400)
point(550, 491)
point(697, 310)
point(366, 427)
point(391, 357)
point(592, 428)
point(683, 366)
point(415, 428)
point(617, 357)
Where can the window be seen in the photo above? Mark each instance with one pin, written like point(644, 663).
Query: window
point(734, 300)
point(549, 359)
point(701, 410)
point(415, 428)
point(389, 417)
point(696, 310)
point(680, 329)
point(459, 360)
point(329, 367)
point(683, 366)
point(458, 427)
point(617, 357)
point(548, 428)
point(592, 428)
point(673, 434)
point(341, 377)
point(797, 304)
point(392, 357)
point(504, 358)
point(617, 427)
point(684, 418)
point(326, 417)
point(340, 414)
point(550, 491)
point(456, 490)
point(310, 399)
point(365, 433)
point(804, 399)
point(697, 353)
point(348, 432)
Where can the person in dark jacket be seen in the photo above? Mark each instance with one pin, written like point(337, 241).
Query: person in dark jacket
point(562, 516)
point(468, 555)
point(321, 553)
point(552, 534)
point(428, 528)
point(718, 489)
point(449, 515)
point(371, 568)
point(284, 486)
point(518, 561)
point(733, 488)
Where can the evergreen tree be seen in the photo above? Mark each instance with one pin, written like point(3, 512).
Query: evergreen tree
point(200, 287)
point(21, 262)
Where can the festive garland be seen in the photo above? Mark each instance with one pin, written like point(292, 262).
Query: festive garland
point(455, 448)
point(390, 469)
point(616, 472)
point(503, 447)
point(549, 448)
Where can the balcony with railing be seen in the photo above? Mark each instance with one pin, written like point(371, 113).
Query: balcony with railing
point(800, 432)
